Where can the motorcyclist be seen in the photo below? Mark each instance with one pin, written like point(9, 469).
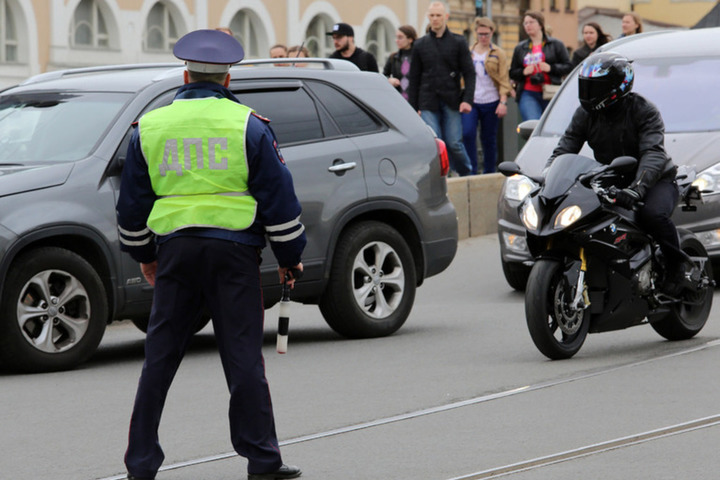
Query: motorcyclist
point(615, 122)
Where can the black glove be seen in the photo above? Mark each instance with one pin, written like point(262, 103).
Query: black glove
point(625, 198)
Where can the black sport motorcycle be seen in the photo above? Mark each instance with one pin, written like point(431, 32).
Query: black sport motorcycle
point(595, 269)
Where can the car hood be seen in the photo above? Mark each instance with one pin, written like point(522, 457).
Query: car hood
point(16, 179)
point(698, 149)
point(701, 150)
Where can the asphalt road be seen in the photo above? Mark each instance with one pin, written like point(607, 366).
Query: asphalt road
point(460, 392)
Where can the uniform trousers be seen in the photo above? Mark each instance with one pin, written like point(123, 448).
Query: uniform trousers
point(194, 273)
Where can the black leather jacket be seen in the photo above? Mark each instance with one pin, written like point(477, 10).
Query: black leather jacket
point(436, 68)
point(556, 55)
point(633, 127)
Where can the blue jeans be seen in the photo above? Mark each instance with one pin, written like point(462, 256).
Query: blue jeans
point(532, 105)
point(447, 125)
point(489, 121)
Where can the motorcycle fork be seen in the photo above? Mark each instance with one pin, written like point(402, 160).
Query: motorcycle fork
point(581, 300)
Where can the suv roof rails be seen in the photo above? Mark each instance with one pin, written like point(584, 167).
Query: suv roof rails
point(57, 74)
point(323, 63)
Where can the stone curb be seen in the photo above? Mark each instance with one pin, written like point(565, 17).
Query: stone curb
point(475, 199)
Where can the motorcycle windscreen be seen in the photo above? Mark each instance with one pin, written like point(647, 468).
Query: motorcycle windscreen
point(564, 172)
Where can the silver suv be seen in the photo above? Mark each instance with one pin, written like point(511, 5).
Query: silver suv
point(369, 173)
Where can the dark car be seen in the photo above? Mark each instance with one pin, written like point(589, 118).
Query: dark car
point(369, 173)
point(677, 71)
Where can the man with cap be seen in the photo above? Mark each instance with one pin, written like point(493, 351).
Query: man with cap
point(343, 37)
point(202, 185)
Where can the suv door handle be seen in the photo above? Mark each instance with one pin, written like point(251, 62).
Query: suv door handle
point(339, 167)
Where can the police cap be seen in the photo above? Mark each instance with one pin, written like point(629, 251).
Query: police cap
point(208, 51)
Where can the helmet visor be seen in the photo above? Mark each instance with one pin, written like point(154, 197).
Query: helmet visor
point(593, 89)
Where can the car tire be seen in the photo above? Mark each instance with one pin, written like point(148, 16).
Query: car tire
point(516, 274)
point(372, 282)
point(54, 311)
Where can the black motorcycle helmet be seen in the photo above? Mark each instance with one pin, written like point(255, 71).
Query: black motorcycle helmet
point(604, 79)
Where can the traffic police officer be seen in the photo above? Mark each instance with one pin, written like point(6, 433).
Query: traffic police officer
point(203, 183)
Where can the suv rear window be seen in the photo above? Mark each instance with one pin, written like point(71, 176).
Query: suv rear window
point(350, 118)
point(684, 90)
point(55, 127)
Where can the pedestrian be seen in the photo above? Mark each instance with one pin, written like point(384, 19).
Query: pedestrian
point(224, 30)
point(631, 24)
point(397, 67)
point(202, 185)
point(538, 60)
point(278, 51)
point(614, 122)
point(492, 88)
point(593, 37)
point(440, 61)
point(298, 51)
point(343, 37)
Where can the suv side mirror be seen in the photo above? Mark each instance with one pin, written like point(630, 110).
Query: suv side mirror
point(526, 128)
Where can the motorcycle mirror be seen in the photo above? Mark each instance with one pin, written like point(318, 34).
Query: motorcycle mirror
point(509, 169)
point(623, 164)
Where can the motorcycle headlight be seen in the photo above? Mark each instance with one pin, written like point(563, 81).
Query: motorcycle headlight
point(517, 187)
point(567, 217)
point(709, 179)
point(529, 216)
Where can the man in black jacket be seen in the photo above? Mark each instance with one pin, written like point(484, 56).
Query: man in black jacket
point(439, 60)
point(343, 37)
point(614, 123)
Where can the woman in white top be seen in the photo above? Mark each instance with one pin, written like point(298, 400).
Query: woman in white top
point(492, 88)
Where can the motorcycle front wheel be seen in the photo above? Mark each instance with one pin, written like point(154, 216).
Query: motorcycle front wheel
point(557, 329)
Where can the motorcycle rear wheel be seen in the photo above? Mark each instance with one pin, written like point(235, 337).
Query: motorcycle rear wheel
point(687, 318)
point(557, 330)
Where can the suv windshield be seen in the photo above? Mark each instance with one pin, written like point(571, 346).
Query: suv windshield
point(679, 87)
point(54, 127)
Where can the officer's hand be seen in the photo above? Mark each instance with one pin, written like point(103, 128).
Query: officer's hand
point(625, 198)
point(148, 270)
point(293, 273)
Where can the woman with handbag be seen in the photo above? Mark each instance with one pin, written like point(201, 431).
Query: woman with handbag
point(537, 61)
point(492, 88)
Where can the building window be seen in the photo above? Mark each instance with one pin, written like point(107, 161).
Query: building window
point(160, 30)
point(88, 28)
point(244, 26)
point(8, 35)
point(317, 42)
point(380, 40)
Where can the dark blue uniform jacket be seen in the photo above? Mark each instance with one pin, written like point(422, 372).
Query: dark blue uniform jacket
point(270, 183)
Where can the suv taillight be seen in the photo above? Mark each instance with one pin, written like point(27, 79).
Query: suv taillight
point(443, 155)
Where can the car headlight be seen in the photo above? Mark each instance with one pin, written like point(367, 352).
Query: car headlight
point(529, 216)
point(567, 216)
point(709, 179)
point(517, 187)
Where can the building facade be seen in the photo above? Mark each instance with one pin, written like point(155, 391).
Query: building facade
point(43, 35)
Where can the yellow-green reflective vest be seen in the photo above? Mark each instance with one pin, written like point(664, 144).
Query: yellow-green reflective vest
point(195, 150)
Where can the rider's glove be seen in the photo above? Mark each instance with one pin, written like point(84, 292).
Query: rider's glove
point(626, 198)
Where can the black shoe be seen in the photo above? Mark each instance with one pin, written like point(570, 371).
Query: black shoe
point(680, 277)
point(286, 471)
point(131, 477)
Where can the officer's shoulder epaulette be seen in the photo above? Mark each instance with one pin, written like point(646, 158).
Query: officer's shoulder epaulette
point(264, 119)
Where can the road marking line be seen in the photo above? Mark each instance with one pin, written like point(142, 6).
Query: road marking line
point(594, 449)
point(440, 409)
